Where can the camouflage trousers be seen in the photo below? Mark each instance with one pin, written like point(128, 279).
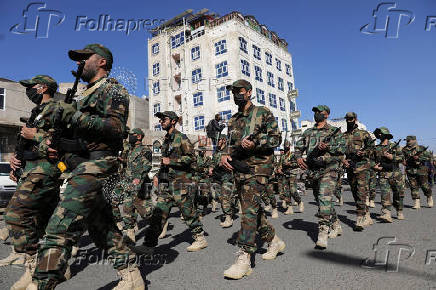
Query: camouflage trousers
point(269, 196)
point(82, 206)
point(417, 182)
point(176, 193)
point(372, 184)
point(227, 195)
point(32, 204)
point(253, 218)
point(359, 183)
point(324, 187)
point(392, 184)
point(338, 190)
point(288, 186)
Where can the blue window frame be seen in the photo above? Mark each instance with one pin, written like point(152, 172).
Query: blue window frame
point(258, 73)
point(288, 69)
point(280, 84)
point(156, 88)
point(256, 52)
point(226, 115)
point(260, 96)
point(156, 69)
point(270, 79)
point(156, 108)
point(221, 69)
point(198, 99)
point(177, 39)
point(294, 125)
point(155, 48)
point(243, 44)
point(292, 106)
point(195, 53)
point(199, 123)
point(290, 86)
point(220, 47)
point(157, 128)
point(196, 75)
point(273, 100)
point(282, 104)
point(278, 64)
point(268, 58)
point(284, 125)
point(245, 67)
point(223, 94)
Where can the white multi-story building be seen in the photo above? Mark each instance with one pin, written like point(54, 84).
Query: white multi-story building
point(192, 57)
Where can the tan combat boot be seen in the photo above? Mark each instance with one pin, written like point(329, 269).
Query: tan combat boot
point(276, 246)
point(386, 217)
point(14, 258)
point(359, 224)
point(130, 233)
point(341, 201)
point(164, 231)
point(32, 286)
point(228, 222)
point(371, 203)
point(4, 234)
point(74, 251)
point(275, 213)
point(323, 233)
point(417, 204)
point(400, 215)
point(367, 201)
point(241, 267)
point(214, 205)
point(284, 205)
point(26, 278)
point(240, 207)
point(199, 243)
point(268, 208)
point(289, 211)
point(368, 220)
point(130, 279)
point(430, 201)
point(335, 230)
point(301, 206)
point(120, 226)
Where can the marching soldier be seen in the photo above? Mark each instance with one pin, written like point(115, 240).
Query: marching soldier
point(372, 187)
point(416, 157)
point(253, 135)
point(358, 164)
point(175, 188)
point(98, 121)
point(388, 156)
point(201, 178)
point(324, 145)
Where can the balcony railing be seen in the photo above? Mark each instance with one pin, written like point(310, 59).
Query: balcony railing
point(295, 114)
point(293, 93)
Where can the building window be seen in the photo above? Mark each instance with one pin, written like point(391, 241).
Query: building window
point(156, 108)
point(290, 86)
point(156, 88)
point(198, 99)
point(199, 123)
point(245, 67)
point(157, 128)
point(226, 115)
point(284, 125)
point(270, 79)
point(196, 75)
point(243, 44)
point(282, 104)
point(177, 39)
point(278, 64)
point(292, 106)
point(220, 47)
point(221, 69)
point(223, 94)
point(268, 57)
point(258, 72)
point(260, 96)
point(2, 98)
point(294, 125)
point(273, 100)
point(155, 69)
point(280, 84)
point(155, 48)
point(195, 53)
point(256, 52)
point(288, 70)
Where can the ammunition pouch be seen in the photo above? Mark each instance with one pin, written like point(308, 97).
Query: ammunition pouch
point(30, 155)
point(72, 145)
point(389, 167)
point(73, 161)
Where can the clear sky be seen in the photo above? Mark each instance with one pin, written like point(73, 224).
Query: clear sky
point(387, 82)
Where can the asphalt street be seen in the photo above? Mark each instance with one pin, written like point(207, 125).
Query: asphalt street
point(349, 262)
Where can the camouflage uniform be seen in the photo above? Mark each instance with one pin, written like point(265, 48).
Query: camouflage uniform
point(100, 120)
point(37, 191)
point(175, 187)
point(417, 171)
point(288, 181)
point(225, 186)
point(201, 178)
point(269, 196)
point(251, 186)
point(372, 184)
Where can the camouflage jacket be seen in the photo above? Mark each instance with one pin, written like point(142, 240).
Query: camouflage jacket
point(357, 140)
point(105, 115)
point(179, 149)
point(260, 159)
point(416, 166)
point(201, 167)
point(388, 165)
point(138, 162)
point(311, 138)
point(288, 163)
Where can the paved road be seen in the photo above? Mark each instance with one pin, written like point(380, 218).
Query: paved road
point(301, 266)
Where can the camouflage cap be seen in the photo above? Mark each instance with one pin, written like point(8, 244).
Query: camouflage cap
point(383, 131)
point(90, 49)
point(137, 131)
point(239, 84)
point(410, 137)
point(169, 114)
point(40, 79)
point(321, 108)
point(350, 115)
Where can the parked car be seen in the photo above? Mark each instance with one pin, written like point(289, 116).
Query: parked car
point(7, 186)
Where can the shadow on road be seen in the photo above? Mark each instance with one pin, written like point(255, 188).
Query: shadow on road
point(345, 220)
point(300, 225)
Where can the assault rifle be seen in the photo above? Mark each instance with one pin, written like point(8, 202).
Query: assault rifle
point(411, 162)
point(384, 162)
point(354, 158)
point(312, 159)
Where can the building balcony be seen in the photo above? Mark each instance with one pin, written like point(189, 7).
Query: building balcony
point(297, 132)
point(295, 114)
point(293, 94)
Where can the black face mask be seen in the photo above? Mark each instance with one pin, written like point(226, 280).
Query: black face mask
point(132, 139)
point(32, 94)
point(286, 149)
point(239, 100)
point(319, 117)
point(350, 126)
